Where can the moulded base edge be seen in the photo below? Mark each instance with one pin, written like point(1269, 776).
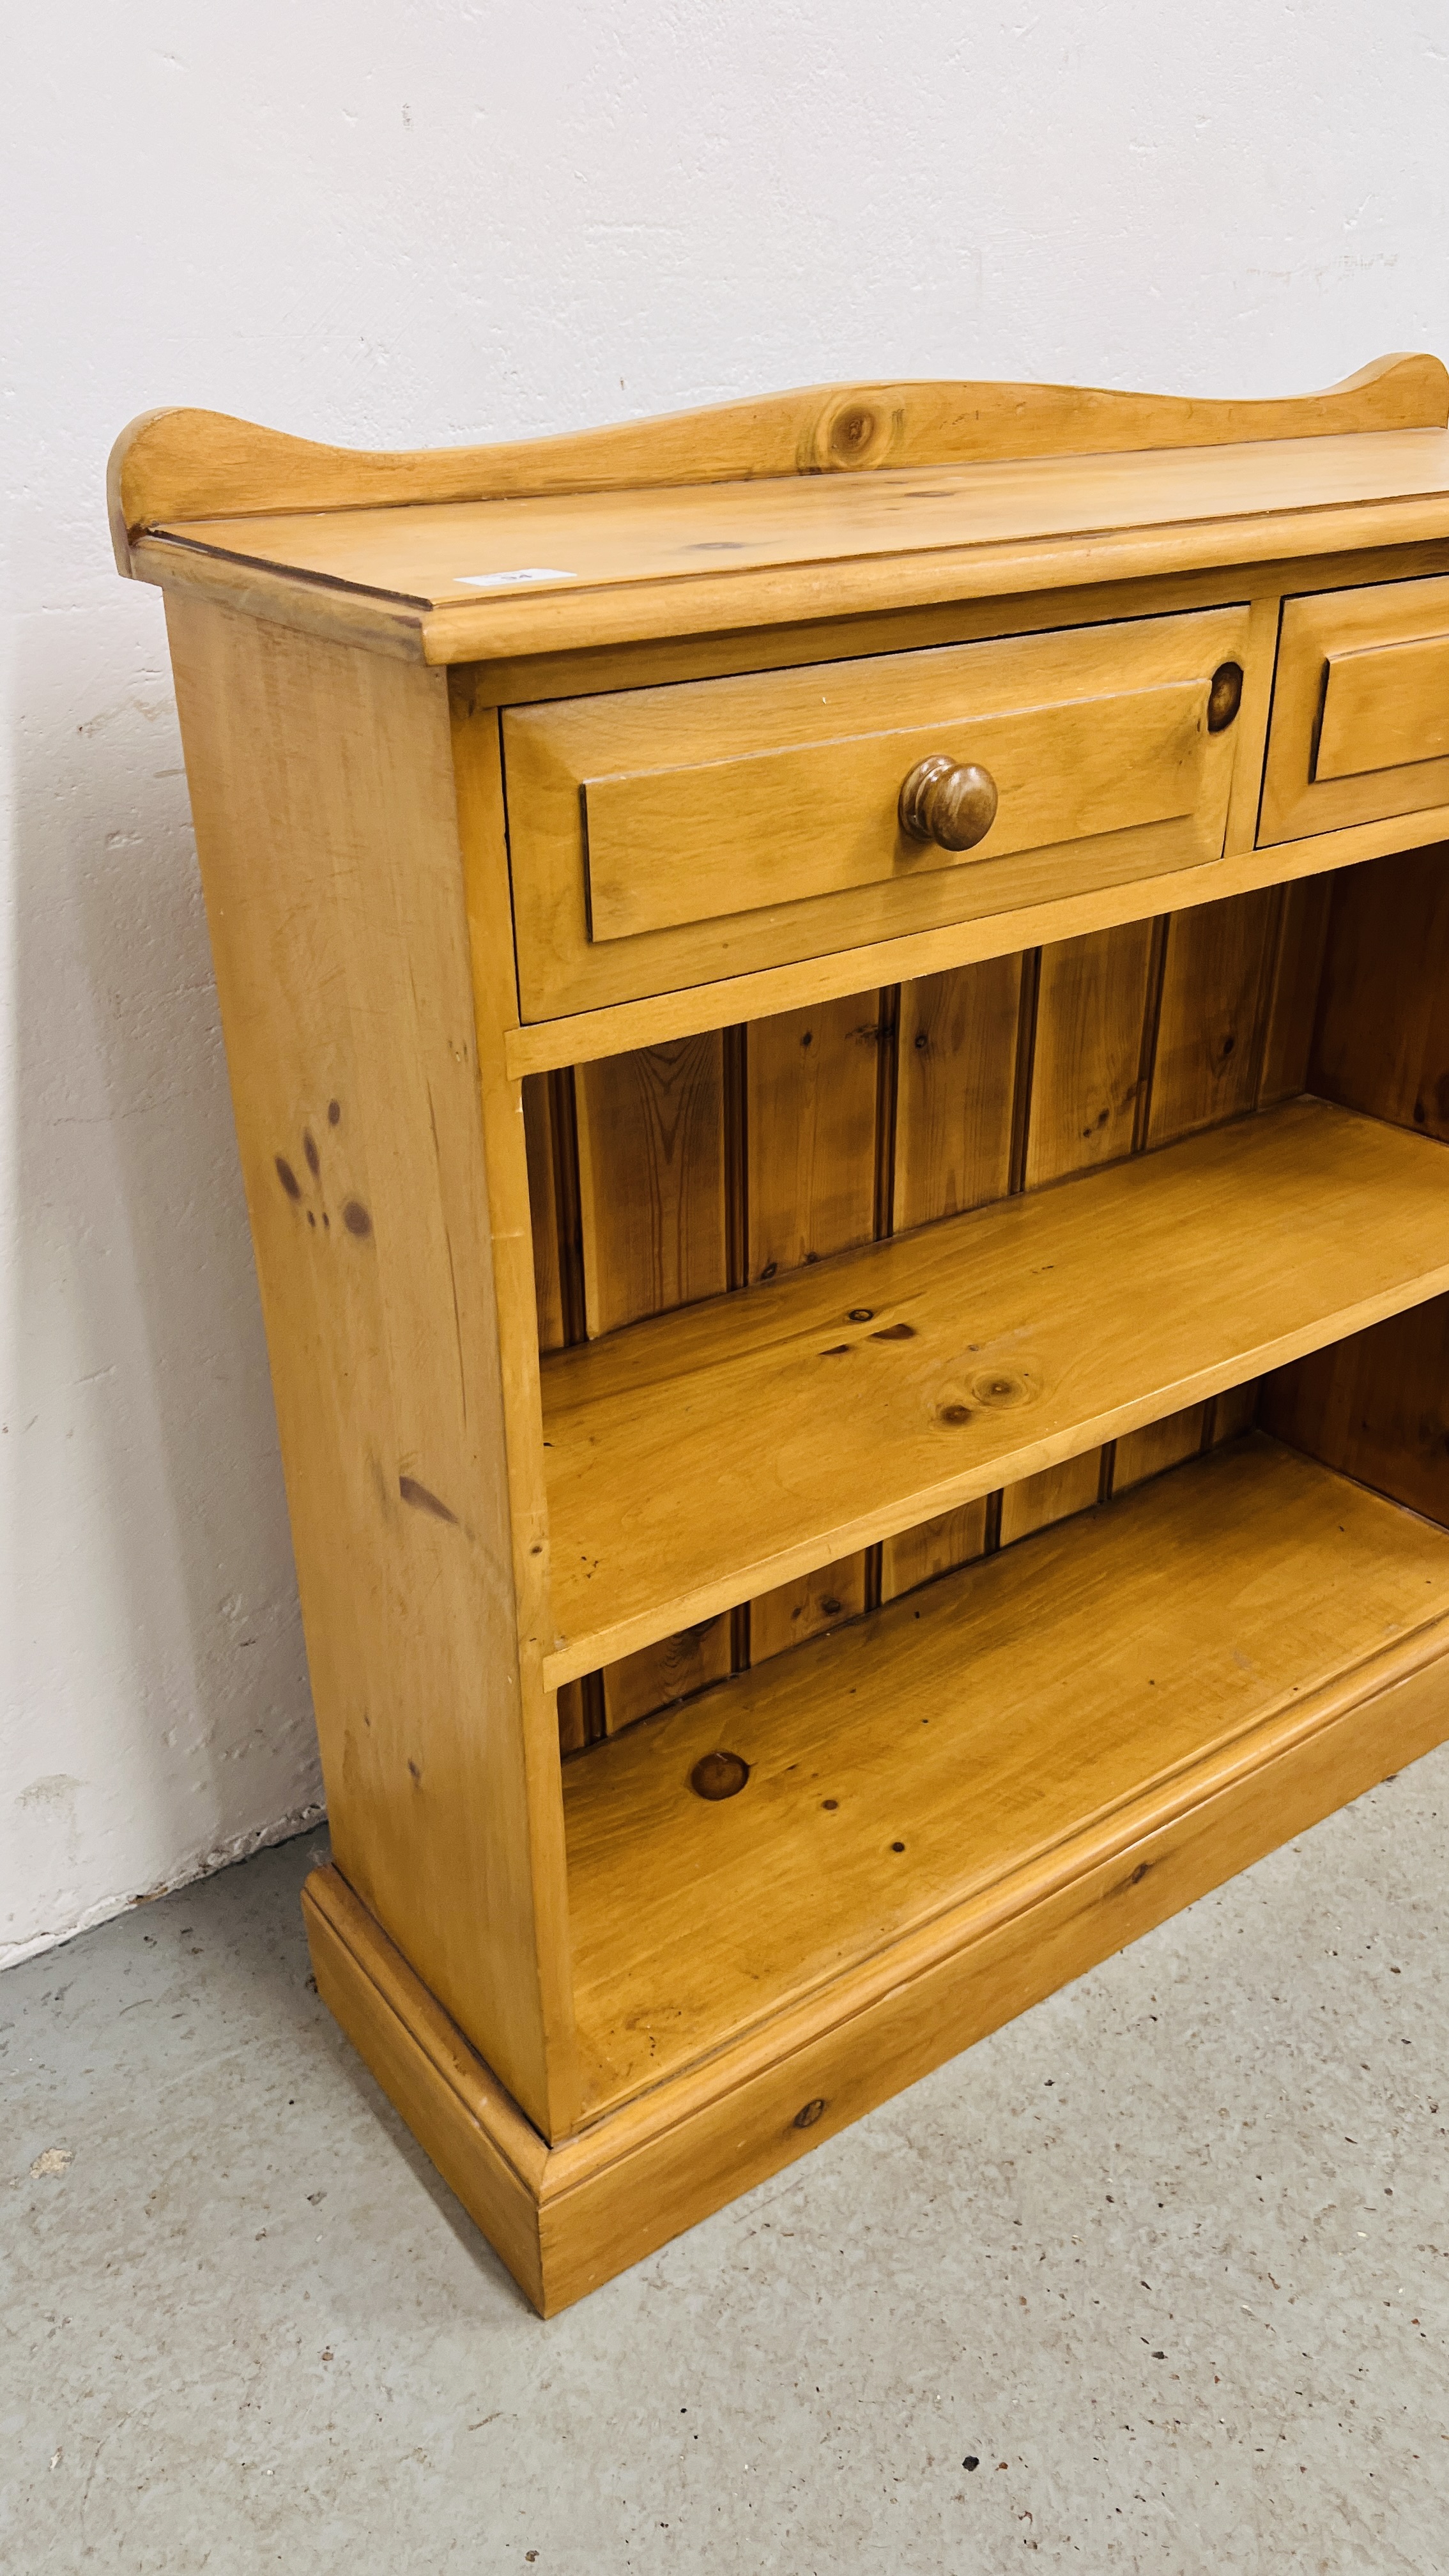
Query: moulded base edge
point(566, 2218)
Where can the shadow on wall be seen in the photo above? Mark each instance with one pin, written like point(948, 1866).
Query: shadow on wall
point(163, 1716)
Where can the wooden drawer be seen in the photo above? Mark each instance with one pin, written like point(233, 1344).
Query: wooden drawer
point(1360, 724)
point(663, 837)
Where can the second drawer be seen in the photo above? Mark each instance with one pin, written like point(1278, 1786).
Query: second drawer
point(1360, 727)
point(663, 837)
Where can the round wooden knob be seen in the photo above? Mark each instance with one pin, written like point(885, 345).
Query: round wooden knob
point(952, 803)
point(1225, 696)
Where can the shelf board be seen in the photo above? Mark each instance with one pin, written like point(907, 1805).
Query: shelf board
point(706, 1456)
point(976, 1735)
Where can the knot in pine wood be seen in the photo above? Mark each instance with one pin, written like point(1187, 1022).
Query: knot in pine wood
point(855, 431)
point(719, 1775)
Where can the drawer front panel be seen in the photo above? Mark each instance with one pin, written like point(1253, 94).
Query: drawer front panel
point(662, 837)
point(677, 845)
point(1360, 709)
point(1385, 706)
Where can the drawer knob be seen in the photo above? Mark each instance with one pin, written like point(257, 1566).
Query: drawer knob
point(1225, 696)
point(952, 803)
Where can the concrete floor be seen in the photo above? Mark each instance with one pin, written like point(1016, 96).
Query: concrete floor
point(1167, 2261)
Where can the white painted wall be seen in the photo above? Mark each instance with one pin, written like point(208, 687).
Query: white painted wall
point(409, 221)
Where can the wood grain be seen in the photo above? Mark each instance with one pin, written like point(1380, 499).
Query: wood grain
point(1033, 1502)
point(1384, 707)
point(1212, 1020)
point(1376, 1406)
point(527, 679)
point(1297, 975)
point(323, 794)
point(811, 1089)
point(610, 1549)
point(1318, 632)
point(811, 1093)
point(1234, 1411)
point(514, 1460)
point(573, 1723)
point(653, 1219)
point(957, 1055)
point(1060, 1680)
point(808, 1607)
point(918, 1555)
point(727, 856)
point(1029, 1340)
point(657, 1675)
point(1381, 1041)
point(702, 840)
point(652, 538)
point(187, 463)
point(652, 1180)
point(1087, 1071)
point(726, 998)
point(1157, 1446)
point(1023, 530)
point(628, 2183)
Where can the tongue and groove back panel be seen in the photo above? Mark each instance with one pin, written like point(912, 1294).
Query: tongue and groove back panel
point(692, 1167)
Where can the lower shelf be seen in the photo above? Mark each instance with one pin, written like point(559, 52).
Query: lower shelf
point(568, 2217)
point(989, 1733)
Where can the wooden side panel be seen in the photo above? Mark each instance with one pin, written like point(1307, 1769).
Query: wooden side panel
point(1215, 991)
point(1087, 1070)
point(1382, 1040)
point(1375, 1406)
point(395, 1275)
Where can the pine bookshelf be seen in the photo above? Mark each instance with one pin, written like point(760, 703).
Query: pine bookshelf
point(836, 1012)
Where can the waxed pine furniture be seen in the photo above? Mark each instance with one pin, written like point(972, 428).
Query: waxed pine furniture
point(836, 1011)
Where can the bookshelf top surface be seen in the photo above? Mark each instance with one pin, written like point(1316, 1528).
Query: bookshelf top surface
point(509, 576)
